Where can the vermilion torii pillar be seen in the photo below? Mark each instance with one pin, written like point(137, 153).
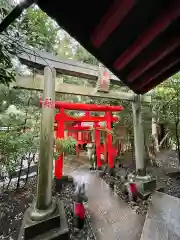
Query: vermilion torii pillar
point(97, 141)
point(60, 134)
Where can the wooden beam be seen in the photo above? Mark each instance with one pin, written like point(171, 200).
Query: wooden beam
point(153, 58)
point(157, 70)
point(111, 20)
point(39, 60)
point(37, 83)
point(161, 78)
point(159, 25)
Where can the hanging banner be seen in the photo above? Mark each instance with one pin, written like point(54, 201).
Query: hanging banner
point(103, 80)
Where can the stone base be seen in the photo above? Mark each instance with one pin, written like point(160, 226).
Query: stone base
point(103, 170)
point(100, 171)
point(141, 172)
point(60, 182)
point(100, 168)
point(52, 228)
point(93, 168)
point(111, 172)
point(161, 189)
point(146, 187)
point(101, 174)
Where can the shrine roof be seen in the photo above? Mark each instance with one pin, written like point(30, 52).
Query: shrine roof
point(137, 40)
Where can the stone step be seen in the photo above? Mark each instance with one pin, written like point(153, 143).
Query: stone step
point(162, 219)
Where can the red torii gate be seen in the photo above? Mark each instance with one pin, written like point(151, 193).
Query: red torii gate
point(61, 117)
point(85, 136)
point(85, 132)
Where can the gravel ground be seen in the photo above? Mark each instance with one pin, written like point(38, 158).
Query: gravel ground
point(14, 203)
point(140, 206)
point(170, 184)
point(12, 207)
point(168, 178)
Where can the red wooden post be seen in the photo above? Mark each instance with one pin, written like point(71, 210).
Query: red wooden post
point(109, 141)
point(77, 137)
point(60, 134)
point(97, 142)
point(105, 148)
point(87, 134)
point(77, 149)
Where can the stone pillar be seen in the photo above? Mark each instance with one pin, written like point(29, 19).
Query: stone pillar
point(44, 206)
point(138, 136)
point(46, 218)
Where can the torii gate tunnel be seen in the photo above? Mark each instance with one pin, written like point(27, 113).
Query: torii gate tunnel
point(61, 117)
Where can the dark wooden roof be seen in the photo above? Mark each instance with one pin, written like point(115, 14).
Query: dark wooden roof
point(138, 40)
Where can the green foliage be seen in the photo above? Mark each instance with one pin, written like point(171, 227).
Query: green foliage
point(166, 100)
point(166, 108)
point(15, 143)
point(34, 28)
point(84, 56)
point(40, 31)
point(7, 73)
point(20, 126)
point(64, 48)
point(65, 145)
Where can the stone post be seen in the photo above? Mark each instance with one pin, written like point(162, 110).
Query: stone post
point(138, 136)
point(44, 205)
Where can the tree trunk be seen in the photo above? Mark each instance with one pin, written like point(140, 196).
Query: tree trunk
point(150, 152)
point(163, 140)
point(161, 132)
point(155, 134)
point(10, 178)
point(29, 164)
point(177, 139)
point(19, 175)
point(27, 174)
